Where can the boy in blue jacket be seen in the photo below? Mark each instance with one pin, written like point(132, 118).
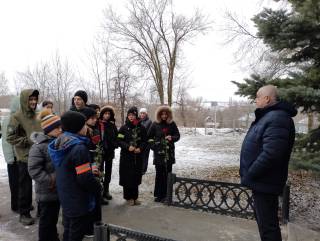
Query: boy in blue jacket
point(76, 184)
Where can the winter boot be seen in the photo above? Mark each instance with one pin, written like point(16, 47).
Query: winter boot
point(26, 219)
point(106, 192)
point(104, 201)
point(130, 202)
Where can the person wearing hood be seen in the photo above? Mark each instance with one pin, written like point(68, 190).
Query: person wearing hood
point(109, 133)
point(76, 185)
point(264, 158)
point(146, 122)
point(10, 157)
point(132, 140)
point(79, 100)
point(162, 135)
point(42, 172)
point(21, 125)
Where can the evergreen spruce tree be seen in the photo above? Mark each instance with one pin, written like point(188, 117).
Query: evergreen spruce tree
point(295, 35)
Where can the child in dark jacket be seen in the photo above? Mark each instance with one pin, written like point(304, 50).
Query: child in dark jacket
point(77, 187)
point(132, 140)
point(41, 170)
point(94, 136)
point(109, 132)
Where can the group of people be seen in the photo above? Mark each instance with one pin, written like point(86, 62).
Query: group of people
point(70, 159)
point(70, 156)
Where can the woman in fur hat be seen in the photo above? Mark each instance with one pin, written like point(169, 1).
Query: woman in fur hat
point(162, 135)
point(132, 139)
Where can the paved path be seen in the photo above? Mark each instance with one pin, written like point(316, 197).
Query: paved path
point(178, 223)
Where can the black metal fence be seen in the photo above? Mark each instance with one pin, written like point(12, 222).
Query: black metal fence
point(109, 232)
point(218, 197)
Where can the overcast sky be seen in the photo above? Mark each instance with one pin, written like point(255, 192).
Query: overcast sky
point(32, 31)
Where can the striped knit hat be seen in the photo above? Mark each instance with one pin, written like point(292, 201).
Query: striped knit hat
point(49, 121)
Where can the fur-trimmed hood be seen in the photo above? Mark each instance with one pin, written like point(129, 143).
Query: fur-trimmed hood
point(166, 109)
point(106, 108)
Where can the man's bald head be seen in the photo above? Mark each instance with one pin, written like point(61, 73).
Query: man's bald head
point(266, 95)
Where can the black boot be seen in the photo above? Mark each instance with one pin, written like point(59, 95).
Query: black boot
point(26, 219)
point(106, 193)
point(104, 201)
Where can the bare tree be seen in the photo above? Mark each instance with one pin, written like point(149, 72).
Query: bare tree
point(250, 51)
point(38, 78)
point(154, 34)
point(63, 79)
point(106, 62)
point(4, 89)
point(123, 83)
point(96, 70)
point(182, 98)
point(100, 68)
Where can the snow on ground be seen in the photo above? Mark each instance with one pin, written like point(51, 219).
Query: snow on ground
point(194, 151)
point(3, 165)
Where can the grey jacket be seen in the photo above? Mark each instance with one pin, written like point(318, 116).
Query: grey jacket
point(146, 122)
point(41, 168)
point(8, 149)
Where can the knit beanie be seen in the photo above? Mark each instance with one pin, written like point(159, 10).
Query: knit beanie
point(88, 112)
point(49, 121)
point(133, 110)
point(94, 106)
point(72, 121)
point(82, 94)
point(35, 93)
point(143, 110)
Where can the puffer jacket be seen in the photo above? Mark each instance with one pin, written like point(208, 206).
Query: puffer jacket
point(146, 122)
point(21, 125)
point(77, 187)
point(266, 149)
point(41, 169)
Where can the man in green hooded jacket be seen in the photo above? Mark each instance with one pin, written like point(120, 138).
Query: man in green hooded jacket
point(21, 125)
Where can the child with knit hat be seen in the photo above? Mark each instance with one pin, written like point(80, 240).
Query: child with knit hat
point(77, 187)
point(132, 139)
point(41, 170)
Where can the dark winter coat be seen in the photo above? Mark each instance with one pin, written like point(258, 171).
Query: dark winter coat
point(41, 169)
point(131, 163)
point(94, 138)
point(109, 133)
point(21, 125)
point(146, 122)
point(74, 108)
point(266, 149)
point(163, 150)
point(76, 184)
